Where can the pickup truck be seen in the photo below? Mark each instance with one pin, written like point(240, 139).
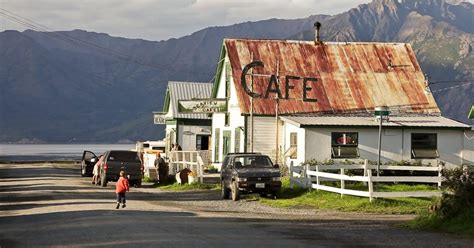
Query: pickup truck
point(116, 161)
point(245, 173)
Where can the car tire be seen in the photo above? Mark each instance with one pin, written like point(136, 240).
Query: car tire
point(235, 192)
point(225, 192)
point(83, 170)
point(103, 180)
point(263, 194)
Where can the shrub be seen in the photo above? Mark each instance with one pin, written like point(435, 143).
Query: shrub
point(459, 192)
point(211, 169)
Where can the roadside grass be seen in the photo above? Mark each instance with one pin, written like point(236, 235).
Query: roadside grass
point(462, 224)
point(193, 186)
point(298, 197)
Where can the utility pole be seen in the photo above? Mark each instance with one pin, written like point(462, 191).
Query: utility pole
point(277, 101)
point(251, 106)
point(380, 112)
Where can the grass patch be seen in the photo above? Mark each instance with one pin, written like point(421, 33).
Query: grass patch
point(298, 197)
point(193, 186)
point(462, 224)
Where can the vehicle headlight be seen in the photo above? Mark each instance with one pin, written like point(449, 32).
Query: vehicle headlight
point(241, 179)
point(276, 179)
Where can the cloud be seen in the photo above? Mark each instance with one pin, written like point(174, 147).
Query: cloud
point(161, 19)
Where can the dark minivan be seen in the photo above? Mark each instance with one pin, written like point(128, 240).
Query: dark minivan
point(115, 161)
point(249, 173)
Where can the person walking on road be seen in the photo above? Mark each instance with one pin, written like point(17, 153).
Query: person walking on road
point(121, 187)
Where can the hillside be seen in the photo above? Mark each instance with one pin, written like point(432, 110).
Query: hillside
point(55, 91)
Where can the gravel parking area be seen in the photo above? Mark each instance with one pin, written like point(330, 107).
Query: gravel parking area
point(39, 200)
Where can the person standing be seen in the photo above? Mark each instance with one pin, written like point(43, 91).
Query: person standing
point(162, 168)
point(95, 171)
point(121, 187)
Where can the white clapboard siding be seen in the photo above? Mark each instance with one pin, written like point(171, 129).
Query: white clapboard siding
point(264, 136)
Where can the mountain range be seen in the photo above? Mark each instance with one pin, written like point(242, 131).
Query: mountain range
point(79, 86)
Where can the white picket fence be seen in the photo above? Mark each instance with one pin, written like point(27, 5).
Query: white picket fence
point(178, 160)
point(312, 176)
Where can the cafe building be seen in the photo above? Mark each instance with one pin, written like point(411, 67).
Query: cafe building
point(302, 100)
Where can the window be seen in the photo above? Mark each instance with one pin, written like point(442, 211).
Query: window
point(227, 119)
point(292, 152)
point(217, 133)
point(252, 161)
point(237, 140)
point(344, 145)
point(424, 145)
point(202, 142)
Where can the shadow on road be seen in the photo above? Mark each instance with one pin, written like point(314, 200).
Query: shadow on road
point(135, 228)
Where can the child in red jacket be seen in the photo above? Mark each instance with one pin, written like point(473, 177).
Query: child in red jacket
point(121, 187)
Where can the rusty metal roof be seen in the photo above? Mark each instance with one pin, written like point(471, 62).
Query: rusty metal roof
point(395, 121)
point(351, 77)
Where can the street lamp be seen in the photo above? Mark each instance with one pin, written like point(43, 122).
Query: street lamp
point(380, 112)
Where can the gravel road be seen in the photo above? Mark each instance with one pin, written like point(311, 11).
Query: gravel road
point(50, 205)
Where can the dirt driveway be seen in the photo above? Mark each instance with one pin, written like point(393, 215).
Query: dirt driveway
point(50, 205)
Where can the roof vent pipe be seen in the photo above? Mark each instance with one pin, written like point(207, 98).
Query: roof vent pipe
point(317, 39)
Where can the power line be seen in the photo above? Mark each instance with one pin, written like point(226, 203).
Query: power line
point(450, 81)
point(87, 45)
point(452, 87)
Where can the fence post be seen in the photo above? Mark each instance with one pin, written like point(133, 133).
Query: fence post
point(308, 177)
point(201, 172)
point(291, 175)
point(343, 186)
point(371, 186)
point(200, 164)
point(191, 162)
point(366, 164)
point(440, 176)
point(317, 176)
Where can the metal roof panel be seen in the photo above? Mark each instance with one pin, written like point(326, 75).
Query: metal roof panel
point(366, 121)
point(188, 91)
point(351, 77)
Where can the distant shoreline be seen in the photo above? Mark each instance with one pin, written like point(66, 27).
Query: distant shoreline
point(73, 162)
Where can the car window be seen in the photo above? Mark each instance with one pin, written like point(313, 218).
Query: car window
point(125, 156)
point(252, 161)
point(224, 163)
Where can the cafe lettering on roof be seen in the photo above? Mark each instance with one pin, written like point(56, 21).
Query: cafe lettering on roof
point(273, 87)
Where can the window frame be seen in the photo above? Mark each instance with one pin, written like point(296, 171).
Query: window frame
point(293, 149)
point(429, 147)
point(345, 146)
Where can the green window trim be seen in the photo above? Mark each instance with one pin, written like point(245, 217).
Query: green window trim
point(217, 133)
point(226, 142)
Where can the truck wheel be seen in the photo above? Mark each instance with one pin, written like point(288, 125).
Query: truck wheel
point(235, 192)
point(225, 192)
point(275, 194)
point(103, 180)
point(138, 183)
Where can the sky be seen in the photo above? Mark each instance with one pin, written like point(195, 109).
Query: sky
point(157, 19)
